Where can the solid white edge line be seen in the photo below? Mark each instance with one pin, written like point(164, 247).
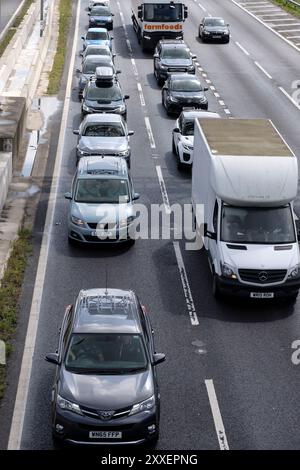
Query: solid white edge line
point(263, 70)
point(217, 417)
point(266, 26)
point(186, 286)
point(150, 133)
point(289, 97)
point(17, 424)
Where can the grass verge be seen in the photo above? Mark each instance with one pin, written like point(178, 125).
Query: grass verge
point(10, 290)
point(289, 7)
point(12, 30)
point(65, 13)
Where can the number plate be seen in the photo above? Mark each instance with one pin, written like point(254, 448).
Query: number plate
point(262, 295)
point(217, 37)
point(102, 234)
point(105, 435)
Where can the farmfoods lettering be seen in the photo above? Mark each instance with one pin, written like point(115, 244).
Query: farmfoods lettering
point(163, 27)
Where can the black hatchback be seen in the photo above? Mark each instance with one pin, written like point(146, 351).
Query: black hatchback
point(181, 91)
point(105, 390)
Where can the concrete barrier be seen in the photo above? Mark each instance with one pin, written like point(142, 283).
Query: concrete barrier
point(5, 175)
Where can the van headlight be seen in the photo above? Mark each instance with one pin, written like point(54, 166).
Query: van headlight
point(294, 272)
point(228, 271)
point(145, 405)
point(68, 405)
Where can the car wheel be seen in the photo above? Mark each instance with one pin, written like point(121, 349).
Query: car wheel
point(72, 242)
point(174, 148)
point(58, 444)
point(215, 287)
point(180, 165)
point(202, 37)
point(131, 242)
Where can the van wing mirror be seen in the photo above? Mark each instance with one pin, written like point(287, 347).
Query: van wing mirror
point(209, 234)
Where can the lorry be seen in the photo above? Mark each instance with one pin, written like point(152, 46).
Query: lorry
point(157, 19)
point(244, 182)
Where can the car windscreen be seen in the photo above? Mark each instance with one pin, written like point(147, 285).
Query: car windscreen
point(108, 129)
point(94, 35)
point(100, 11)
point(106, 353)
point(186, 85)
point(102, 190)
point(188, 127)
point(175, 53)
point(94, 50)
point(104, 93)
point(162, 12)
point(214, 22)
point(257, 225)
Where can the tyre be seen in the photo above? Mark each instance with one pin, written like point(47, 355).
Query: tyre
point(174, 149)
point(131, 242)
point(58, 444)
point(215, 287)
point(180, 165)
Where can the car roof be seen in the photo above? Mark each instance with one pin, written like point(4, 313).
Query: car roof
point(213, 18)
point(184, 76)
point(95, 58)
point(97, 30)
point(98, 46)
point(102, 167)
point(107, 311)
point(104, 117)
point(175, 42)
point(194, 114)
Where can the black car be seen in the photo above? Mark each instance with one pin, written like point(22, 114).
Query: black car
point(105, 389)
point(101, 16)
point(102, 96)
point(172, 56)
point(182, 91)
point(213, 28)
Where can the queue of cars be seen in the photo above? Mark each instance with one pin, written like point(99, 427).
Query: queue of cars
point(105, 389)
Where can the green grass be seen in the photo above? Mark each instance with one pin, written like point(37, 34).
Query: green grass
point(65, 13)
point(10, 290)
point(12, 30)
point(289, 7)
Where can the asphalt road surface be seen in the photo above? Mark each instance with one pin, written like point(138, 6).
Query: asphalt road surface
point(233, 367)
point(7, 9)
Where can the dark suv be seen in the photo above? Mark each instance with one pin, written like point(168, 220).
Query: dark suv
point(105, 390)
point(172, 56)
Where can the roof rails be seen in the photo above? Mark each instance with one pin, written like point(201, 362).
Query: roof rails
point(107, 303)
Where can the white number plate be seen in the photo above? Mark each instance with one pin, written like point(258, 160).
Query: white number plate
point(262, 295)
point(105, 435)
point(217, 37)
point(102, 234)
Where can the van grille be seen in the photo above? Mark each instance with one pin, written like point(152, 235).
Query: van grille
point(261, 276)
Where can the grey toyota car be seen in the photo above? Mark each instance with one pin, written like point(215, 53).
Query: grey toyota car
point(103, 134)
point(105, 389)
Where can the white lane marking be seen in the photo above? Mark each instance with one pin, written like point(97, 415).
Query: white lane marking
point(217, 95)
point(275, 20)
point(266, 25)
point(129, 46)
point(289, 97)
point(242, 48)
point(214, 405)
point(186, 286)
point(212, 87)
point(293, 37)
point(150, 133)
point(264, 11)
point(141, 94)
point(163, 189)
point(221, 102)
point(204, 75)
point(288, 24)
point(263, 70)
point(134, 67)
point(226, 110)
point(202, 7)
point(207, 81)
point(200, 69)
point(289, 31)
point(197, 64)
point(15, 435)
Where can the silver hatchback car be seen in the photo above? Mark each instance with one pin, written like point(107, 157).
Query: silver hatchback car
point(103, 134)
point(101, 202)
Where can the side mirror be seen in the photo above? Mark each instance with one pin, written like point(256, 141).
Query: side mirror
point(89, 14)
point(130, 132)
point(118, 71)
point(68, 196)
point(201, 24)
point(111, 38)
point(140, 14)
point(194, 56)
point(298, 229)
point(176, 130)
point(227, 25)
point(155, 56)
point(205, 88)
point(114, 55)
point(78, 71)
point(209, 234)
point(185, 12)
point(81, 54)
point(82, 37)
point(126, 97)
point(135, 196)
point(158, 358)
point(76, 131)
point(112, 14)
point(53, 358)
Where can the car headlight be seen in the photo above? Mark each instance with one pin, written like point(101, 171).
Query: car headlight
point(294, 272)
point(92, 19)
point(206, 32)
point(125, 153)
point(68, 405)
point(191, 67)
point(85, 107)
point(77, 221)
point(173, 99)
point(145, 405)
point(187, 147)
point(127, 221)
point(83, 152)
point(121, 108)
point(228, 271)
point(163, 67)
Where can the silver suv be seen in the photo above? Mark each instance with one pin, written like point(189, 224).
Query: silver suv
point(101, 202)
point(103, 134)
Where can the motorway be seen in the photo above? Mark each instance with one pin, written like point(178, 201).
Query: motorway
point(228, 381)
point(7, 9)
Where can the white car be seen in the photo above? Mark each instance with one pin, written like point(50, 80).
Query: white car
point(96, 3)
point(183, 134)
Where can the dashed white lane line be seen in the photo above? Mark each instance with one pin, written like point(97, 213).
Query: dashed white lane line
point(139, 86)
point(129, 45)
point(202, 7)
point(216, 94)
point(212, 87)
point(217, 417)
point(134, 67)
point(16, 430)
point(186, 286)
point(242, 48)
point(226, 111)
point(163, 189)
point(221, 102)
point(263, 70)
point(289, 97)
point(150, 133)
